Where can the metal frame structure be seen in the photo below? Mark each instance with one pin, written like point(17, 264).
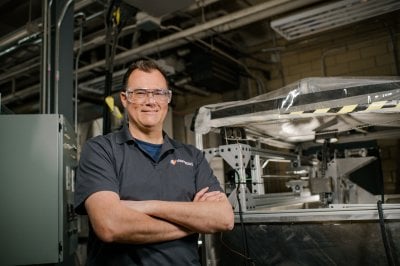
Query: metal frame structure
point(321, 191)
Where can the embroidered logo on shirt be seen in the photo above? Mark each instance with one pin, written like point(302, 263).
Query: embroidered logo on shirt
point(173, 162)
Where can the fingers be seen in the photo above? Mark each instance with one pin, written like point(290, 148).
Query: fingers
point(200, 194)
point(213, 196)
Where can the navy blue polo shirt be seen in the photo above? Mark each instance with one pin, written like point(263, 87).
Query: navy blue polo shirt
point(116, 163)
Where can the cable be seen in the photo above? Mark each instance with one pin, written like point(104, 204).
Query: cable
point(386, 243)
point(243, 227)
point(117, 15)
point(233, 250)
point(245, 256)
point(244, 234)
point(111, 26)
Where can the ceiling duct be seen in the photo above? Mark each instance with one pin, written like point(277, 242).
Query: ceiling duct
point(212, 71)
point(333, 15)
point(160, 8)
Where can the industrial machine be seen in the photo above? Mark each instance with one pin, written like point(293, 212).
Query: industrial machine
point(301, 167)
point(37, 170)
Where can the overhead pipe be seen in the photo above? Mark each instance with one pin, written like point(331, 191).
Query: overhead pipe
point(82, 4)
point(22, 94)
point(29, 67)
point(24, 32)
point(183, 83)
point(219, 25)
point(99, 40)
point(180, 36)
point(45, 54)
point(200, 4)
point(15, 37)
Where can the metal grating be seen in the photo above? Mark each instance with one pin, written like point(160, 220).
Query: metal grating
point(331, 16)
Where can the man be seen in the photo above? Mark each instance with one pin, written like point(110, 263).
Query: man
point(147, 196)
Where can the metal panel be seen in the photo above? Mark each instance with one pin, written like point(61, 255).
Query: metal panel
point(32, 190)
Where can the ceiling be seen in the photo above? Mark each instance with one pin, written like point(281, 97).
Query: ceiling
point(203, 44)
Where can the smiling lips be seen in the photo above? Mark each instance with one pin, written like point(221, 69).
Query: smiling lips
point(150, 111)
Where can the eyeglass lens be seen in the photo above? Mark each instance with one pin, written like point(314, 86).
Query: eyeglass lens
point(140, 95)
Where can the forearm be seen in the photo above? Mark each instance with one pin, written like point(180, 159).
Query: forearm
point(139, 228)
point(112, 221)
point(201, 217)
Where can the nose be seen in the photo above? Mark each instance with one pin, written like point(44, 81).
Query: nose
point(150, 98)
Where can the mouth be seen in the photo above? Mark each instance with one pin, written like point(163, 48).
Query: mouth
point(150, 111)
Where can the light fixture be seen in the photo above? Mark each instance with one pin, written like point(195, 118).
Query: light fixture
point(329, 16)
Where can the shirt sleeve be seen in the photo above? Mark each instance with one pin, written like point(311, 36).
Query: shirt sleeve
point(204, 174)
point(96, 172)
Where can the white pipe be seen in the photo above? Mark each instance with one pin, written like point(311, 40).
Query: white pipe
point(14, 37)
point(275, 160)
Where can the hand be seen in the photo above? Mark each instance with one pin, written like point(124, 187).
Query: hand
point(203, 195)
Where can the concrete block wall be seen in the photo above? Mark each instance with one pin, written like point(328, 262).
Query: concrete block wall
point(366, 48)
point(353, 57)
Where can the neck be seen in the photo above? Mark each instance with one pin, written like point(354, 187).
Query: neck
point(147, 134)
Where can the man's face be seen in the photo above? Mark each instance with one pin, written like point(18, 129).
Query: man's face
point(147, 113)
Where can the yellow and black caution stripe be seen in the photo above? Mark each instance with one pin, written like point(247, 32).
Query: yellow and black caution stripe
point(289, 104)
point(352, 108)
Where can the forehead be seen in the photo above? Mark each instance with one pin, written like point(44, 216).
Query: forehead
point(141, 79)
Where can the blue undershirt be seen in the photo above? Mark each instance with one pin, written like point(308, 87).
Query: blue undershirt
point(151, 149)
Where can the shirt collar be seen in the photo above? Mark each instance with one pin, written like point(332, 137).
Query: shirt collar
point(124, 136)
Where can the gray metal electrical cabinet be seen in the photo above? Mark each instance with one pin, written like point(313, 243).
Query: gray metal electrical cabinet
point(38, 158)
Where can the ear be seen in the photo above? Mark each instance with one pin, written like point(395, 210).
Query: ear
point(123, 98)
